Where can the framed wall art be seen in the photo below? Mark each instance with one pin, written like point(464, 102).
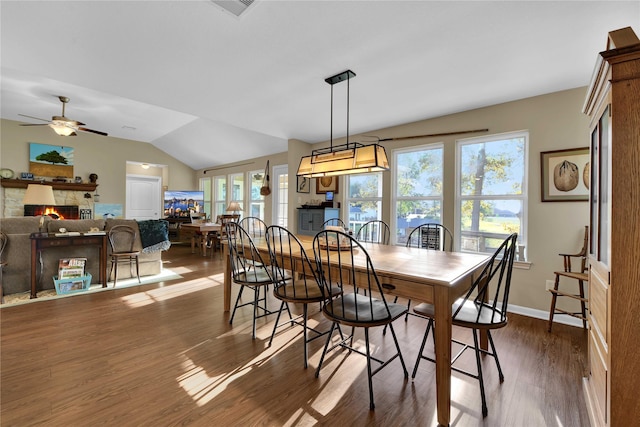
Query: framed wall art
point(50, 160)
point(304, 184)
point(326, 183)
point(565, 175)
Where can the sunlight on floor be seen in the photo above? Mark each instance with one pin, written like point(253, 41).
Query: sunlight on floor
point(162, 294)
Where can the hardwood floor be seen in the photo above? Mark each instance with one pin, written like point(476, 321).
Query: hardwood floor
point(165, 354)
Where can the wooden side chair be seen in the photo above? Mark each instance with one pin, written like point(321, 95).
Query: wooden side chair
point(484, 307)
point(349, 307)
point(3, 243)
point(375, 231)
point(122, 239)
point(581, 275)
point(198, 238)
point(295, 281)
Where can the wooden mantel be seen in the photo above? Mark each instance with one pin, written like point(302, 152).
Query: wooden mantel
point(68, 186)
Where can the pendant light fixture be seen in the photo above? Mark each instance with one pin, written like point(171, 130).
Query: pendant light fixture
point(343, 159)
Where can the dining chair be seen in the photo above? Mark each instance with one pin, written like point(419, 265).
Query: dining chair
point(427, 236)
point(374, 231)
point(335, 222)
point(3, 243)
point(295, 281)
point(480, 309)
point(581, 275)
point(122, 239)
point(254, 226)
point(337, 254)
point(198, 237)
point(249, 271)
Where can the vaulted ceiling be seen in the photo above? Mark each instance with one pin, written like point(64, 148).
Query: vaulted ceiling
point(210, 88)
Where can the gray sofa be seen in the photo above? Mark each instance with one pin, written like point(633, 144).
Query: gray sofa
point(16, 276)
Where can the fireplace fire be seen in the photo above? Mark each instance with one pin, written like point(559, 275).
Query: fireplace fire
point(57, 212)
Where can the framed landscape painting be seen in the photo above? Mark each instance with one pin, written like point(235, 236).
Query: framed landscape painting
point(50, 160)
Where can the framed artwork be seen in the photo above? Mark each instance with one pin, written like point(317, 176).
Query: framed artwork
point(107, 210)
point(326, 183)
point(50, 160)
point(304, 184)
point(565, 175)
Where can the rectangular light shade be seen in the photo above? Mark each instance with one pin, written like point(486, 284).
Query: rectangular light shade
point(39, 194)
point(362, 159)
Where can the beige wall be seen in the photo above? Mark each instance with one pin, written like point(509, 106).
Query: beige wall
point(105, 156)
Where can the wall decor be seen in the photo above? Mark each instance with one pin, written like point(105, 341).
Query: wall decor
point(107, 210)
point(565, 175)
point(304, 184)
point(326, 183)
point(50, 160)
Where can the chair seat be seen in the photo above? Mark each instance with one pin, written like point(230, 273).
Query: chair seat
point(357, 310)
point(125, 254)
point(299, 291)
point(256, 276)
point(468, 315)
point(573, 275)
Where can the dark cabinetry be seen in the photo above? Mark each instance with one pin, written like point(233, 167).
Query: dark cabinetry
point(310, 220)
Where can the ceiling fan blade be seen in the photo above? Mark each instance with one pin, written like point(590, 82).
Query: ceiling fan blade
point(34, 124)
point(31, 117)
point(93, 131)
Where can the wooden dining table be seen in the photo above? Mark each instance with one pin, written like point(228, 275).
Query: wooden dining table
point(202, 228)
point(437, 277)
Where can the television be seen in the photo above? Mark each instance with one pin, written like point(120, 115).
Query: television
point(181, 203)
point(328, 196)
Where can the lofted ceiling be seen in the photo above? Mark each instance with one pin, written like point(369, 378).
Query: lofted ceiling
point(210, 88)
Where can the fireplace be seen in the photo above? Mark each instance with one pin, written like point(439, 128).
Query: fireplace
point(58, 211)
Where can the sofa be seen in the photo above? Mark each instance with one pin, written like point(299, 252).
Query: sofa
point(16, 277)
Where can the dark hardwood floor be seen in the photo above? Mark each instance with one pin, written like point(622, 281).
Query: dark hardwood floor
point(164, 355)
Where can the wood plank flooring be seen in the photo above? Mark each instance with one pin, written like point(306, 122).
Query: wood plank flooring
point(165, 355)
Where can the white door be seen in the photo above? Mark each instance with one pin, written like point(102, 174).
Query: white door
point(280, 182)
point(143, 197)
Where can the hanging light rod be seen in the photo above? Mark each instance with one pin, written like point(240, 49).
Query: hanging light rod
point(344, 159)
point(429, 135)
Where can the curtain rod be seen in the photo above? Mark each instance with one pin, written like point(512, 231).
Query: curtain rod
point(227, 167)
point(432, 134)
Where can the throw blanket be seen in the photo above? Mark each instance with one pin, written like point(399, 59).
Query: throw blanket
point(154, 235)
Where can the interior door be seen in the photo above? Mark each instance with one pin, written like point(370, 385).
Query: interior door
point(280, 208)
point(143, 197)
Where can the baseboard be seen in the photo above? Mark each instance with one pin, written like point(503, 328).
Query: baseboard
point(544, 315)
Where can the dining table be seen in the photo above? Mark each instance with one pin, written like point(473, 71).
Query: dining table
point(201, 228)
point(436, 277)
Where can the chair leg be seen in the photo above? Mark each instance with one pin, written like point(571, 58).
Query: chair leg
point(495, 356)
point(476, 346)
point(256, 298)
point(305, 334)
point(326, 346)
point(424, 341)
point(138, 269)
point(584, 307)
point(235, 306)
point(554, 297)
point(273, 334)
point(395, 340)
point(369, 375)
point(115, 273)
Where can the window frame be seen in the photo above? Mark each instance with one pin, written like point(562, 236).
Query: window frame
point(348, 199)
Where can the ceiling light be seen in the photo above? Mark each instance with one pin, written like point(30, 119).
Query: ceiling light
point(145, 165)
point(62, 128)
point(344, 159)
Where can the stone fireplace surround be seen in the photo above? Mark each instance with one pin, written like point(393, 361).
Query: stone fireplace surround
point(13, 206)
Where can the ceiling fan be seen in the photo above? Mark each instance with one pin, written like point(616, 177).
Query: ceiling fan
point(62, 125)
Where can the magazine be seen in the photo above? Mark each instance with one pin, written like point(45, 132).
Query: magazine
point(71, 267)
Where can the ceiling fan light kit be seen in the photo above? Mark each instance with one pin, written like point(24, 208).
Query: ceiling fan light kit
point(61, 125)
point(344, 159)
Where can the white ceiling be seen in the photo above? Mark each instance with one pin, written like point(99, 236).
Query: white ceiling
point(209, 88)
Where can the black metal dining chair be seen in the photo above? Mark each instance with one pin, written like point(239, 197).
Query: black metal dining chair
point(334, 222)
point(337, 254)
point(480, 309)
point(374, 231)
point(294, 282)
point(254, 226)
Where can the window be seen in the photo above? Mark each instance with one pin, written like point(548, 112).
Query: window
point(237, 189)
point(205, 185)
point(417, 189)
point(256, 200)
point(220, 194)
point(280, 197)
point(364, 199)
point(491, 190)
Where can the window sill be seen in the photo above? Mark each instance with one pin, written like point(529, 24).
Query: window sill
point(522, 265)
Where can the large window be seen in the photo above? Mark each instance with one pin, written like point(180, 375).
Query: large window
point(256, 200)
point(417, 192)
point(364, 199)
point(491, 190)
point(205, 185)
point(237, 191)
point(220, 194)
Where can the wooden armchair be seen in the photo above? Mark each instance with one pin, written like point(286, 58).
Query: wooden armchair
point(581, 275)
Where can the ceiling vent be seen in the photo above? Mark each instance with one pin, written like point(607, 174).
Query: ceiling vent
point(235, 7)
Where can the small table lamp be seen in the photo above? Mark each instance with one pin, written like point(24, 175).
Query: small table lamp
point(234, 207)
point(40, 195)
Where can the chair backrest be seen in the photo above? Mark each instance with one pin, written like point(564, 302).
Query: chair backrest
point(254, 226)
point(122, 238)
point(375, 231)
point(247, 265)
point(582, 254)
point(289, 260)
point(337, 267)
point(490, 290)
point(336, 222)
point(198, 217)
point(431, 236)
